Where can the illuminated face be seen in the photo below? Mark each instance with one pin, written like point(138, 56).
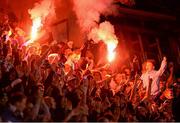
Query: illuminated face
point(127, 71)
point(149, 66)
point(118, 78)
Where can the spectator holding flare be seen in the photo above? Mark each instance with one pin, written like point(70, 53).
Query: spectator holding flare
point(151, 73)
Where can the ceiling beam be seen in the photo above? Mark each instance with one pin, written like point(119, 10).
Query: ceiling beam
point(145, 14)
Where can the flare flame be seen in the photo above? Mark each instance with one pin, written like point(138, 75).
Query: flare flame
point(105, 32)
point(39, 14)
point(35, 28)
point(111, 53)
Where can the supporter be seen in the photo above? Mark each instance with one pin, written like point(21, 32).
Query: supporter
point(154, 75)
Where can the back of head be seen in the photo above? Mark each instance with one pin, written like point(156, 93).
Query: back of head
point(16, 97)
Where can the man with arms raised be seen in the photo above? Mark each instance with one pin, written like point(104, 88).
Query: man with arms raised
point(153, 75)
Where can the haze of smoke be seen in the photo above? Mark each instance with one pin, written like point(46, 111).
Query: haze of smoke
point(42, 9)
point(88, 12)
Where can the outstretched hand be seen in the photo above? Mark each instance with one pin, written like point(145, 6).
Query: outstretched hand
point(15, 82)
point(164, 58)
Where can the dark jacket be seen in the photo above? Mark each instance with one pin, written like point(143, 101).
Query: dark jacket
point(9, 116)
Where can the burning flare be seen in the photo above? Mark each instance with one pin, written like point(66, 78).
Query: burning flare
point(35, 28)
point(39, 14)
point(88, 14)
point(111, 53)
point(105, 32)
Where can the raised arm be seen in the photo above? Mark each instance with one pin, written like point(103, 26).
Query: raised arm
point(163, 66)
point(133, 91)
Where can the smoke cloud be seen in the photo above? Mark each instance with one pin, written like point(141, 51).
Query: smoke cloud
point(88, 12)
point(104, 32)
point(42, 10)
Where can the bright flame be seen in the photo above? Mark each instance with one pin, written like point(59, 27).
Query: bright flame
point(35, 28)
point(111, 43)
point(9, 33)
point(111, 53)
point(105, 32)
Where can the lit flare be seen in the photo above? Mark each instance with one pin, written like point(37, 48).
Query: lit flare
point(111, 43)
point(34, 30)
point(105, 32)
point(111, 53)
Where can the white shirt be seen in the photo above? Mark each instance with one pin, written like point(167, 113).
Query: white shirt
point(155, 76)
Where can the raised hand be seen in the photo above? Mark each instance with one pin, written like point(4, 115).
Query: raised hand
point(164, 59)
point(15, 82)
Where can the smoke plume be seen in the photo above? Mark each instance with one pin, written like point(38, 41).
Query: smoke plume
point(39, 15)
point(88, 11)
point(42, 10)
point(88, 14)
point(103, 32)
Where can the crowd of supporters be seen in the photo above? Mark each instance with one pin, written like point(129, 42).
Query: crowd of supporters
point(70, 87)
